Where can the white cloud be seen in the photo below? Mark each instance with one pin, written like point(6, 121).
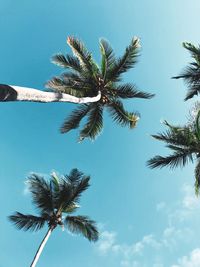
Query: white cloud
point(154, 250)
point(193, 260)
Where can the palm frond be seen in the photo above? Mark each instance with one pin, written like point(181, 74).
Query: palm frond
point(67, 62)
point(121, 116)
point(41, 192)
point(197, 178)
point(72, 85)
point(74, 176)
point(183, 137)
point(83, 55)
point(128, 90)
point(178, 158)
point(124, 63)
point(64, 196)
point(79, 188)
point(194, 51)
point(108, 57)
point(71, 207)
point(94, 123)
point(82, 225)
point(28, 222)
point(73, 121)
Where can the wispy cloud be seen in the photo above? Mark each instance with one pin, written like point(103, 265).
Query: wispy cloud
point(156, 247)
point(193, 260)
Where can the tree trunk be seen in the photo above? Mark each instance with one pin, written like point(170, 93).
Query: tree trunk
point(40, 249)
point(18, 93)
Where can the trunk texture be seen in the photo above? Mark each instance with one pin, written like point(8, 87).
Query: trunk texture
point(18, 93)
point(40, 249)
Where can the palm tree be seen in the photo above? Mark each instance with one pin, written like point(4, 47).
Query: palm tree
point(191, 74)
point(53, 199)
point(96, 87)
point(184, 141)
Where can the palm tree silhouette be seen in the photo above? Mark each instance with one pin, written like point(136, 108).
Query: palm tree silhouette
point(96, 87)
point(53, 199)
point(191, 74)
point(184, 141)
point(90, 79)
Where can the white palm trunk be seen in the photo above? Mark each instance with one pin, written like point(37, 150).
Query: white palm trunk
point(41, 247)
point(34, 95)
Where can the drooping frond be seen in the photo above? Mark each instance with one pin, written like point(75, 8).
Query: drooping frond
point(124, 63)
point(121, 116)
point(197, 177)
point(73, 121)
point(178, 158)
point(94, 123)
point(41, 192)
point(128, 90)
point(82, 225)
point(28, 222)
point(108, 57)
point(67, 61)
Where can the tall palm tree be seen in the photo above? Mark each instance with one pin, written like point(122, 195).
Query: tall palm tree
point(184, 142)
point(191, 74)
point(95, 86)
point(89, 78)
point(54, 199)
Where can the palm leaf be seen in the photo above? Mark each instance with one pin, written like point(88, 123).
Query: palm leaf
point(83, 55)
point(124, 63)
point(41, 192)
point(197, 177)
point(79, 188)
point(178, 158)
point(73, 121)
point(82, 225)
point(128, 90)
point(28, 222)
point(108, 57)
point(94, 123)
point(74, 176)
point(121, 116)
point(67, 62)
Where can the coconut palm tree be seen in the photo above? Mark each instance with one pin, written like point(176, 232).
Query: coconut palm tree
point(191, 74)
point(95, 86)
point(184, 142)
point(54, 199)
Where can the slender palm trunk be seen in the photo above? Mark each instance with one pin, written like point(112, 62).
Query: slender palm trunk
point(40, 249)
point(18, 93)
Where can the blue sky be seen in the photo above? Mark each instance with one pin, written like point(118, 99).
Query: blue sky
point(146, 217)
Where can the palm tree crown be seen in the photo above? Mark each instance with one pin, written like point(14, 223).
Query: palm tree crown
point(191, 74)
point(55, 198)
point(85, 78)
point(184, 141)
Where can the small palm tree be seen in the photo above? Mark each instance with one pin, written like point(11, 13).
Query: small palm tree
point(53, 199)
point(87, 78)
point(184, 141)
point(191, 74)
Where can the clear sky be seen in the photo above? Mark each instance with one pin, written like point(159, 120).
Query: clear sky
point(146, 217)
